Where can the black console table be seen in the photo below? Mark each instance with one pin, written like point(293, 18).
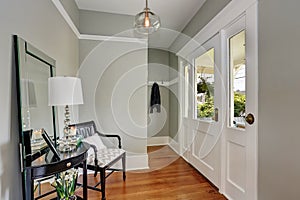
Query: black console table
point(46, 166)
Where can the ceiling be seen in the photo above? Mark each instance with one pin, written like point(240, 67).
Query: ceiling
point(174, 14)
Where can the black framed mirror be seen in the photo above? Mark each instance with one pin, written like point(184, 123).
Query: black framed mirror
point(33, 68)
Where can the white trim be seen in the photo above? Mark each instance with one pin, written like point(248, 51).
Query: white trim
point(181, 103)
point(174, 145)
point(234, 9)
point(164, 140)
point(252, 48)
point(137, 162)
point(157, 141)
point(80, 36)
point(160, 83)
point(222, 138)
point(111, 38)
point(174, 81)
point(164, 83)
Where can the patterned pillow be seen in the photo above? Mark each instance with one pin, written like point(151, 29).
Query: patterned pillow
point(96, 141)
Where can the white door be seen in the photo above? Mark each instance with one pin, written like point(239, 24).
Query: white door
point(239, 141)
point(202, 122)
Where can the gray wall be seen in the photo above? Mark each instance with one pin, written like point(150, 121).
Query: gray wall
point(114, 78)
point(72, 9)
point(206, 13)
point(86, 47)
point(101, 23)
point(98, 23)
point(158, 70)
point(39, 23)
point(279, 97)
point(163, 65)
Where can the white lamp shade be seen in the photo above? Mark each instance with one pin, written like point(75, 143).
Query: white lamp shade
point(64, 91)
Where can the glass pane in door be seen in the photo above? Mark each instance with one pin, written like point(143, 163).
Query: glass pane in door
point(204, 67)
point(237, 80)
point(186, 91)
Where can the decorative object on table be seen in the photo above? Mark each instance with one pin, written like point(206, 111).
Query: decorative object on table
point(50, 144)
point(65, 184)
point(72, 140)
point(65, 91)
point(146, 22)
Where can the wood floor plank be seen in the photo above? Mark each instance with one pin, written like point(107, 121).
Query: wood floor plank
point(176, 180)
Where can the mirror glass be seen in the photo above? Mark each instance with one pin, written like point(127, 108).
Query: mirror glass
point(33, 70)
point(36, 114)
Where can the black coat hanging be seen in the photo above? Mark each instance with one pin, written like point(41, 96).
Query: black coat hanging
point(155, 98)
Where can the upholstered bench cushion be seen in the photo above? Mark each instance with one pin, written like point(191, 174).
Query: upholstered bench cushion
point(105, 156)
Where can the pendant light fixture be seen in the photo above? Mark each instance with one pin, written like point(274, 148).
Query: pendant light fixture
point(146, 22)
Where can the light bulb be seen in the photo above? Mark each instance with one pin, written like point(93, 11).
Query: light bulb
point(147, 20)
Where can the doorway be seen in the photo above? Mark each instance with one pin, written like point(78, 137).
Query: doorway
point(219, 98)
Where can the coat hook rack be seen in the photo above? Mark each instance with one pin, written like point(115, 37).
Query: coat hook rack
point(160, 83)
point(164, 82)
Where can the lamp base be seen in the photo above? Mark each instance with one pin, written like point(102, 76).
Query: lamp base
point(66, 145)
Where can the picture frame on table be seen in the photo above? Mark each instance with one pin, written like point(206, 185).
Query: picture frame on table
point(50, 144)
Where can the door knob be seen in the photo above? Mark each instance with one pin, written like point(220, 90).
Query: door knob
point(250, 118)
point(216, 118)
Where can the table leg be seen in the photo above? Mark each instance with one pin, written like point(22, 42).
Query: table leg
point(29, 186)
point(84, 180)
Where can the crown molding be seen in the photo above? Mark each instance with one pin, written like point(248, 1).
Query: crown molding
point(80, 36)
point(111, 38)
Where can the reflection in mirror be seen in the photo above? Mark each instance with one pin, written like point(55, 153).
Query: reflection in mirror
point(36, 114)
point(33, 68)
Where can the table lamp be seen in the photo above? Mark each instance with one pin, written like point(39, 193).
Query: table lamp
point(65, 91)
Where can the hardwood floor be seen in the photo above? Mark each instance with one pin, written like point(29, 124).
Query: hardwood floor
point(169, 178)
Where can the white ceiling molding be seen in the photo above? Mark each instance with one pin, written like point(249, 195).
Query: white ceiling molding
point(111, 38)
point(231, 12)
point(80, 36)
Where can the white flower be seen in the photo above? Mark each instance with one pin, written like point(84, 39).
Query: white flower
point(65, 185)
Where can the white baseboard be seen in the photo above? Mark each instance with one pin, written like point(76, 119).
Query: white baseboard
point(164, 140)
point(174, 145)
point(136, 162)
point(156, 141)
point(133, 162)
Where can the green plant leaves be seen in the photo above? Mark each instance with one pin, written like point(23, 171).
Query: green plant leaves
point(65, 184)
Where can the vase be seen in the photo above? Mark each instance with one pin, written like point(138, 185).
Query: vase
point(73, 197)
